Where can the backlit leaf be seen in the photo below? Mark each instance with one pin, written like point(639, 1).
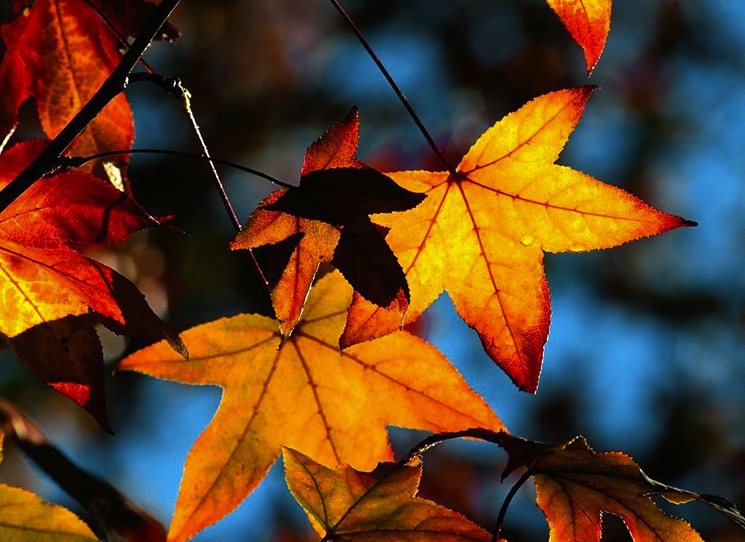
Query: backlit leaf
point(66, 354)
point(24, 517)
point(346, 504)
point(59, 53)
point(326, 219)
point(575, 485)
point(43, 277)
point(588, 21)
point(306, 394)
point(481, 234)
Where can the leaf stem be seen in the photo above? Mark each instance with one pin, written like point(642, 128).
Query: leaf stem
point(111, 87)
point(174, 87)
point(407, 105)
point(507, 500)
point(77, 161)
point(432, 440)
point(122, 41)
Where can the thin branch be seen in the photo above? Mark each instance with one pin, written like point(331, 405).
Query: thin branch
point(174, 87)
point(111, 87)
point(77, 161)
point(361, 38)
point(507, 500)
point(432, 440)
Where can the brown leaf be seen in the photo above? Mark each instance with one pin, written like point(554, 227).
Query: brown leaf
point(346, 504)
point(66, 355)
point(575, 486)
point(327, 219)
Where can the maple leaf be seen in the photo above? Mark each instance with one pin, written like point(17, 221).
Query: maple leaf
point(481, 234)
point(326, 219)
point(588, 21)
point(345, 504)
point(59, 53)
point(24, 517)
point(307, 394)
point(575, 485)
point(43, 277)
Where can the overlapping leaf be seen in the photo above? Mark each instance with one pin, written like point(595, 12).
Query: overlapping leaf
point(588, 21)
point(66, 355)
point(326, 219)
point(43, 277)
point(346, 504)
point(24, 517)
point(331, 405)
point(575, 485)
point(59, 52)
point(481, 233)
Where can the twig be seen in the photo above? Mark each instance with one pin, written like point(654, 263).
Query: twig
point(77, 161)
point(174, 87)
point(111, 87)
point(507, 500)
point(361, 38)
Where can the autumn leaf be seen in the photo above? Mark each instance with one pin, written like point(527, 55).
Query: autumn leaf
point(59, 53)
point(24, 517)
point(331, 405)
point(575, 485)
point(66, 354)
point(482, 232)
point(588, 21)
point(43, 277)
point(326, 219)
point(345, 504)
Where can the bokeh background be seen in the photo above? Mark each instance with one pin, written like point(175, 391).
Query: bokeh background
point(647, 345)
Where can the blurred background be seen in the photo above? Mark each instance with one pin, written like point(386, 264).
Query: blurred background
point(647, 346)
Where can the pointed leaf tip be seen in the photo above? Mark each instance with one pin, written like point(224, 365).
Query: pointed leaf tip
point(588, 22)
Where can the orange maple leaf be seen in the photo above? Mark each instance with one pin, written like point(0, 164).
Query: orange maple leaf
point(481, 233)
point(59, 53)
point(346, 504)
point(326, 219)
point(307, 394)
point(588, 21)
point(575, 485)
point(43, 277)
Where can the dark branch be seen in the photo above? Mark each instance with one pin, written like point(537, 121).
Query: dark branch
point(114, 84)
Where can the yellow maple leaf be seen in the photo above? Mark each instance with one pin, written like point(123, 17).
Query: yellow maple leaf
point(306, 394)
point(481, 233)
